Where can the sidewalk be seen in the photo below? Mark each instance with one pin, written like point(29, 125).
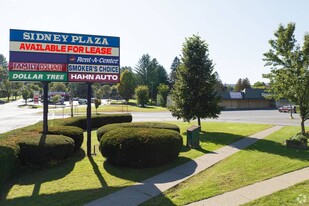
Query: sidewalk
point(257, 190)
point(141, 192)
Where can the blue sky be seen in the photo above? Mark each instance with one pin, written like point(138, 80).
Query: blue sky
point(237, 31)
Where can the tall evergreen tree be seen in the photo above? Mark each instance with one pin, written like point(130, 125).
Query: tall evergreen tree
point(172, 76)
point(194, 91)
point(143, 69)
point(150, 73)
point(242, 84)
point(246, 83)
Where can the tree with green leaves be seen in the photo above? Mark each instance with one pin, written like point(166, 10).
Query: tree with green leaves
point(259, 85)
point(242, 84)
point(58, 87)
point(78, 90)
point(97, 103)
point(3, 68)
point(55, 99)
point(106, 89)
point(98, 94)
point(34, 87)
point(163, 91)
point(194, 92)
point(16, 88)
point(127, 85)
point(122, 69)
point(25, 94)
point(172, 76)
point(95, 87)
point(289, 75)
point(6, 87)
point(142, 95)
point(114, 92)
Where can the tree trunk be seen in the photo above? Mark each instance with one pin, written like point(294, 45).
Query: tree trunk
point(199, 122)
point(291, 113)
point(302, 123)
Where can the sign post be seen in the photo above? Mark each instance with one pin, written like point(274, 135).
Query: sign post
point(45, 108)
point(64, 57)
point(89, 119)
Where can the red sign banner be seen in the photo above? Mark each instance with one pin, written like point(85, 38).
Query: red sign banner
point(94, 77)
point(27, 66)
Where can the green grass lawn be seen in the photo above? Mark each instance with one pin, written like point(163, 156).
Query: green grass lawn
point(292, 196)
point(81, 179)
point(264, 159)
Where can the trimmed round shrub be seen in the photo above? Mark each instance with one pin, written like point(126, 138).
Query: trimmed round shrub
point(39, 148)
point(159, 125)
point(8, 160)
point(76, 133)
point(140, 147)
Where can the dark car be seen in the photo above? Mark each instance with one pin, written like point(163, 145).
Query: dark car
point(287, 109)
point(2, 102)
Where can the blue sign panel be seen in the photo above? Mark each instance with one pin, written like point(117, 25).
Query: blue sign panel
point(63, 38)
point(38, 57)
point(87, 59)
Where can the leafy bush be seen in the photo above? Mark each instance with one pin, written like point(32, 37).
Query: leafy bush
point(140, 147)
point(76, 133)
point(39, 148)
point(142, 95)
point(8, 160)
point(299, 137)
point(159, 125)
point(96, 121)
point(163, 91)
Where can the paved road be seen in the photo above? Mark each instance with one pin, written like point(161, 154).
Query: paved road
point(251, 116)
point(12, 116)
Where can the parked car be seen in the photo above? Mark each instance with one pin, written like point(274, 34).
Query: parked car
point(2, 102)
point(82, 101)
point(287, 109)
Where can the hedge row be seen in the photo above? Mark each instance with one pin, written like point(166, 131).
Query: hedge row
point(96, 121)
point(140, 147)
point(159, 125)
point(64, 136)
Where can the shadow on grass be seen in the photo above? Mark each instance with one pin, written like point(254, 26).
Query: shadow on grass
point(68, 198)
point(138, 175)
point(37, 175)
point(249, 143)
point(219, 137)
point(279, 148)
point(97, 171)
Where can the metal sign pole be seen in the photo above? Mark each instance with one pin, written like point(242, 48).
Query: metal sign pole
point(45, 108)
point(89, 120)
